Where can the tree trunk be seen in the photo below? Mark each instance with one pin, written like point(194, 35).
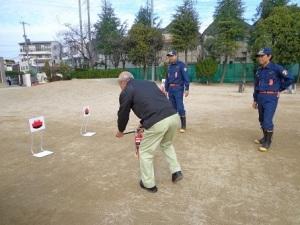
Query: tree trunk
point(244, 73)
point(124, 64)
point(89, 54)
point(116, 64)
point(298, 81)
point(224, 69)
point(185, 55)
point(201, 49)
point(105, 62)
point(144, 71)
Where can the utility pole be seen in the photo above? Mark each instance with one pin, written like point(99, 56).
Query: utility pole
point(153, 63)
point(80, 25)
point(89, 34)
point(26, 41)
point(2, 71)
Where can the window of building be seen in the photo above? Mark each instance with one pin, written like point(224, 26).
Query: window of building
point(31, 48)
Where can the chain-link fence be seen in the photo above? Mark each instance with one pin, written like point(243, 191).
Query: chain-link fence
point(236, 72)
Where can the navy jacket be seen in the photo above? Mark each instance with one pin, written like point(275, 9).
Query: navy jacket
point(178, 75)
point(272, 77)
point(147, 102)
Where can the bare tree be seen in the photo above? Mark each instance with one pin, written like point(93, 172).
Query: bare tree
point(72, 39)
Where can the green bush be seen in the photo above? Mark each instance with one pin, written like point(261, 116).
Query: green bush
point(65, 70)
point(92, 73)
point(47, 70)
point(206, 69)
point(13, 73)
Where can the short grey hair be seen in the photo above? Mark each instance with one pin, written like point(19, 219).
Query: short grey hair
point(125, 76)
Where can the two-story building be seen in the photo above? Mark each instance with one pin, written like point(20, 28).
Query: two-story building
point(36, 53)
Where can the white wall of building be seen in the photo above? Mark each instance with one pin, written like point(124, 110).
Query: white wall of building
point(39, 53)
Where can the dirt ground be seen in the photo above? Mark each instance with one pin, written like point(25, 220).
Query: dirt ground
point(94, 180)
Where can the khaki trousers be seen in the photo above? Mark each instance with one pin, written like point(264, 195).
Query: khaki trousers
point(160, 134)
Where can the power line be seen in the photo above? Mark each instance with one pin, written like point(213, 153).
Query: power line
point(80, 25)
point(89, 31)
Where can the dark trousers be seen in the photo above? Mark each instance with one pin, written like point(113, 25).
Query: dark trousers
point(267, 105)
point(176, 98)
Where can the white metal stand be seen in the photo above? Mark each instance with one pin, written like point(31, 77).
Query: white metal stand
point(83, 129)
point(42, 152)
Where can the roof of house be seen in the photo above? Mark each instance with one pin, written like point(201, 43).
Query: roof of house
point(167, 28)
point(39, 42)
point(211, 30)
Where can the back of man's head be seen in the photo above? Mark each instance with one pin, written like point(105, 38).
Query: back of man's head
point(125, 76)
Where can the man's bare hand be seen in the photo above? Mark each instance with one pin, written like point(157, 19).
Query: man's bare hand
point(119, 134)
point(254, 105)
point(186, 93)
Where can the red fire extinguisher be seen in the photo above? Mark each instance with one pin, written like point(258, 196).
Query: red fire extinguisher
point(138, 137)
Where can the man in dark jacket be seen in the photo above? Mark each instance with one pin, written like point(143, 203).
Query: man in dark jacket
point(159, 120)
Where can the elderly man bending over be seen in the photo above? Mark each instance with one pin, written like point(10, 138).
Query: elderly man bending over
point(159, 120)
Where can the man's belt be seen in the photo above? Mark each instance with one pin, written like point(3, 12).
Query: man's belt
point(174, 85)
point(269, 92)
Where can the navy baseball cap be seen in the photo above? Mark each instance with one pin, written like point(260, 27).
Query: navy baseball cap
point(172, 53)
point(264, 51)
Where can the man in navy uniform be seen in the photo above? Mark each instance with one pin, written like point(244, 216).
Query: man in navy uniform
point(270, 80)
point(177, 85)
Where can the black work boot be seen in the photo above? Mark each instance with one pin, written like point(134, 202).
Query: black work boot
point(152, 190)
point(268, 140)
point(177, 176)
point(262, 140)
point(183, 124)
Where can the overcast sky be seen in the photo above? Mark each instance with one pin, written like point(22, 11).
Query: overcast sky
point(47, 17)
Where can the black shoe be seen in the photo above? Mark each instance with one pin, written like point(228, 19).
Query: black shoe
point(267, 144)
point(183, 122)
point(263, 139)
point(152, 190)
point(177, 177)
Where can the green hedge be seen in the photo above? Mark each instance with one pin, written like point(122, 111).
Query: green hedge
point(13, 73)
point(92, 73)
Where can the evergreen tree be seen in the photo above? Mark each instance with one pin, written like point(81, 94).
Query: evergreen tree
point(230, 29)
point(109, 32)
point(185, 28)
point(143, 40)
point(280, 31)
point(266, 6)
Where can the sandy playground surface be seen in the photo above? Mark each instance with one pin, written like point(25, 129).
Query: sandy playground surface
point(94, 180)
